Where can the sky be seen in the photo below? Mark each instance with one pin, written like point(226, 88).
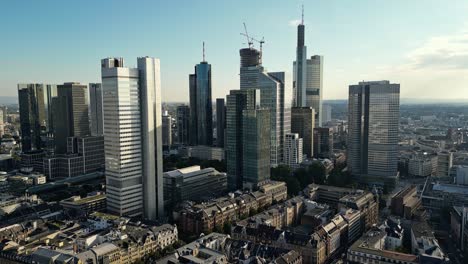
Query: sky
point(421, 44)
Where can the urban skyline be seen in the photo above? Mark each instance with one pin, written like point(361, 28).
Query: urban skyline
point(262, 170)
point(411, 56)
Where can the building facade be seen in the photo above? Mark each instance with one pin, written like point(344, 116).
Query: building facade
point(183, 124)
point(274, 97)
point(373, 120)
point(220, 122)
point(323, 142)
point(193, 184)
point(307, 78)
point(95, 109)
point(201, 109)
point(256, 150)
point(166, 129)
point(71, 119)
point(237, 102)
point(133, 145)
point(32, 115)
point(293, 150)
point(303, 123)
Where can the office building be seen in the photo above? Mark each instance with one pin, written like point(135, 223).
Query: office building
point(33, 159)
point(133, 145)
point(256, 149)
point(193, 184)
point(307, 77)
point(237, 101)
point(206, 152)
point(274, 97)
point(444, 164)
point(71, 114)
point(220, 122)
point(201, 109)
point(326, 113)
point(183, 122)
point(166, 129)
point(32, 115)
point(323, 142)
point(303, 123)
point(293, 150)
point(95, 109)
point(461, 175)
point(94, 202)
point(373, 120)
point(422, 165)
point(91, 148)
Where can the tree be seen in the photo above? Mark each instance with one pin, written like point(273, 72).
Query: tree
point(302, 177)
point(318, 172)
point(227, 228)
point(280, 173)
point(293, 186)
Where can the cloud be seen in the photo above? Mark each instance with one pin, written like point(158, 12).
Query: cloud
point(449, 52)
point(294, 22)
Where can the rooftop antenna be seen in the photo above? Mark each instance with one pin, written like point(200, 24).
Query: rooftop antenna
point(302, 20)
point(204, 51)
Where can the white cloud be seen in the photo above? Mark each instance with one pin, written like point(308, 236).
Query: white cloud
point(449, 52)
point(294, 22)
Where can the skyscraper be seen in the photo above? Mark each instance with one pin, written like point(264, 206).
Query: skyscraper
point(71, 119)
point(236, 102)
point(95, 109)
point(256, 147)
point(373, 119)
point(323, 142)
point(132, 137)
point(32, 115)
point(303, 123)
point(220, 122)
point(166, 129)
point(273, 96)
point(293, 152)
point(201, 108)
point(183, 121)
point(307, 77)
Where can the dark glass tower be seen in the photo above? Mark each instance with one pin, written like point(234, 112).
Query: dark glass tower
point(220, 122)
point(236, 102)
point(33, 119)
point(183, 120)
point(72, 114)
point(373, 119)
point(201, 109)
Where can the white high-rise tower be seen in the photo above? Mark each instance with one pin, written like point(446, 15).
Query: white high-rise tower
point(132, 137)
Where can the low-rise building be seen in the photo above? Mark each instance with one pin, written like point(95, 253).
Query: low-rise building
point(194, 184)
point(405, 202)
point(84, 206)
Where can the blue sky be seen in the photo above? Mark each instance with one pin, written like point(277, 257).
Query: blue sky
point(422, 44)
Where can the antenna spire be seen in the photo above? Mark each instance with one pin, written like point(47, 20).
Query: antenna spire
point(204, 51)
point(302, 20)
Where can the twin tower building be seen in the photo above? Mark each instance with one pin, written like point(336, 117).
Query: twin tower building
point(258, 117)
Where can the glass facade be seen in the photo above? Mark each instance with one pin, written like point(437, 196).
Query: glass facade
point(373, 120)
point(201, 105)
point(33, 119)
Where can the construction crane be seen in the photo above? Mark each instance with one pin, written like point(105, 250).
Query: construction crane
point(250, 39)
point(246, 34)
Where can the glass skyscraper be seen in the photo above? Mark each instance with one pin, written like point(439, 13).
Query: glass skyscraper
point(236, 102)
point(307, 78)
point(201, 108)
point(274, 96)
point(373, 119)
point(36, 115)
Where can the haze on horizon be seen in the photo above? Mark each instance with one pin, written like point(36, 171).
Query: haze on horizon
point(421, 44)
